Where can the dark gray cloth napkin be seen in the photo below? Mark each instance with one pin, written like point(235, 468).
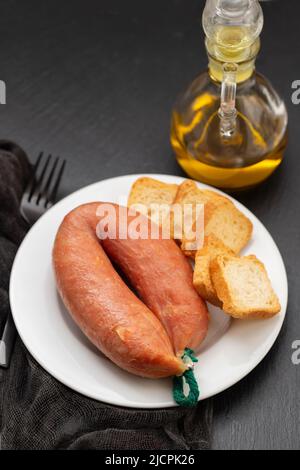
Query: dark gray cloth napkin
point(38, 412)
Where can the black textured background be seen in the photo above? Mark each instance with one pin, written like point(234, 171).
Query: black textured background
point(94, 81)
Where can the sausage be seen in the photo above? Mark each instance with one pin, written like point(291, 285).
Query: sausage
point(101, 304)
point(117, 322)
point(163, 278)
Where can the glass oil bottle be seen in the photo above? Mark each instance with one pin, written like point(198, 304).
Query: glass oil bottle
point(229, 127)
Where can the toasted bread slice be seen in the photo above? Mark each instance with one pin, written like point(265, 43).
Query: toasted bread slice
point(243, 287)
point(202, 278)
point(189, 194)
point(221, 217)
point(149, 192)
point(229, 224)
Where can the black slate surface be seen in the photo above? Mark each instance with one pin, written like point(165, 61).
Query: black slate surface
point(94, 81)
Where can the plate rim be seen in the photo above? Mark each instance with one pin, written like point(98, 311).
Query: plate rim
point(144, 405)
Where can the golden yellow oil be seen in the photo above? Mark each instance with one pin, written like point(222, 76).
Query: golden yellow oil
point(245, 160)
point(230, 179)
point(233, 44)
point(256, 148)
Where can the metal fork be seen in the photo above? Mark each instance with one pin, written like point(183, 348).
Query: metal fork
point(41, 191)
point(40, 194)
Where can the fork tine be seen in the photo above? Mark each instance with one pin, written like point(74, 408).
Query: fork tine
point(32, 182)
point(51, 198)
point(36, 193)
point(45, 190)
point(42, 189)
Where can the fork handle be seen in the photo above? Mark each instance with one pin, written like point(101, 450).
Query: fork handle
point(7, 341)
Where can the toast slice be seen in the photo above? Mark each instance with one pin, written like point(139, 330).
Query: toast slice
point(202, 278)
point(221, 217)
point(229, 224)
point(189, 194)
point(243, 287)
point(146, 192)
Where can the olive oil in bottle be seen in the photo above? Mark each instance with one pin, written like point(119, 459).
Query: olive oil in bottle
point(229, 127)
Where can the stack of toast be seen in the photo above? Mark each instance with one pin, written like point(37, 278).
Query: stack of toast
point(238, 284)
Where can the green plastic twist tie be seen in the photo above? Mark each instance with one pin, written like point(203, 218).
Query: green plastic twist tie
point(188, 376)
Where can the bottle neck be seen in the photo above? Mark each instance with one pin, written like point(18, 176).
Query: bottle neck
point(243, 57)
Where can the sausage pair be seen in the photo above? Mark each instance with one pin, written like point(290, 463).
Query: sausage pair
point(145, 334)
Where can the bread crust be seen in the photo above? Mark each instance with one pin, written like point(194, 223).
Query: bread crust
point(165, 192)
point(231, 303)
point(221, 217)
point(202, 278)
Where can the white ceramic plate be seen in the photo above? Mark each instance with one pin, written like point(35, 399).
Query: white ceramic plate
point(232, 349)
